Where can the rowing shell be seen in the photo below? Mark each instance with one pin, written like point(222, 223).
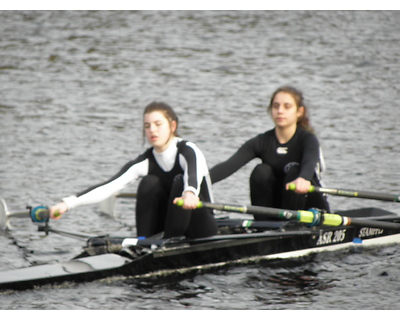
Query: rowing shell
point(109, 256)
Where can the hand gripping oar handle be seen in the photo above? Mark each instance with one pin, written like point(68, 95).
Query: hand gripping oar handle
point(353, 194)
point(313, 217)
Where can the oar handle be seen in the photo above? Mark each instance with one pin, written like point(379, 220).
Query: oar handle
point(179, 203)
point(353, 194)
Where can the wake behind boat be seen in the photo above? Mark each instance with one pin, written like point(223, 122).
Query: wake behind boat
point(238, 240)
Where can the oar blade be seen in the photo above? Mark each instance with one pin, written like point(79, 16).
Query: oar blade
point(107, 206)
point(6, 215)
point(3, 215)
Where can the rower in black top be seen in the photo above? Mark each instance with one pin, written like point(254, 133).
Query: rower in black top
point(290, 153)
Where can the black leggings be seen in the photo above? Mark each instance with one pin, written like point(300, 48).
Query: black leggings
point(268, 191)
point(155, 212)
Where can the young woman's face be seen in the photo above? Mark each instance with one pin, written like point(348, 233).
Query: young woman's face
point(284, 110)
point(158, 130)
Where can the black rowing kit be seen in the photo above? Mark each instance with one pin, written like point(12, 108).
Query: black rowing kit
point(281, 163)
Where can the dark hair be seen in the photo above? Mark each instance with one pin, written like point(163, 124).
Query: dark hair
point(166, 110)
point(304, 120)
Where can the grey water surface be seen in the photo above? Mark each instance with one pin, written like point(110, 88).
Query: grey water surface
point(73, 85)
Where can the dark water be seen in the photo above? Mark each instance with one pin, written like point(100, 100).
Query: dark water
point(73, 85)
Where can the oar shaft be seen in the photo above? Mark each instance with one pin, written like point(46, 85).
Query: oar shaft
point(311, 217)
point(47, 229)
point(359, 222)
point(358, 194)
point(125, 195)
point(22, 214)
point(372, 195)
point(268, 212)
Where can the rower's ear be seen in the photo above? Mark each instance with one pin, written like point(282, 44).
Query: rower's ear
point(300, 112)
point(173, 126)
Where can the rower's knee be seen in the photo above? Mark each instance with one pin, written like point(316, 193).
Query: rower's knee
point(261, 175)
point(149, 184)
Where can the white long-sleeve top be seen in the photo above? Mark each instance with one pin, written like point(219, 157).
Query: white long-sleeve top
point(190, 159)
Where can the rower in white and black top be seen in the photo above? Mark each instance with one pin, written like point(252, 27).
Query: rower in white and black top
point(171, 169)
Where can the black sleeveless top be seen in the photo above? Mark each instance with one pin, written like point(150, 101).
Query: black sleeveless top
point(166, 178)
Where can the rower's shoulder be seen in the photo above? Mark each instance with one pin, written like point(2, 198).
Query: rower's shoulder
point(303, 133)
point(306, 138)
point(185, 145)
point(140, 158)
point(264, 135)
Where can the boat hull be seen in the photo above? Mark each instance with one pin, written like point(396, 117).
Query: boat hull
point(291, 241)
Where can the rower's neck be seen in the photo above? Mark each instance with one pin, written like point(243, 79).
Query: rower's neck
point(164, 147)
point(285, 134)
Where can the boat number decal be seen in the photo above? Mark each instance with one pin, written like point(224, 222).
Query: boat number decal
point(331, 237)
point(369, 232)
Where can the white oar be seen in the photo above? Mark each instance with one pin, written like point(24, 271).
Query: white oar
point(5, 215)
